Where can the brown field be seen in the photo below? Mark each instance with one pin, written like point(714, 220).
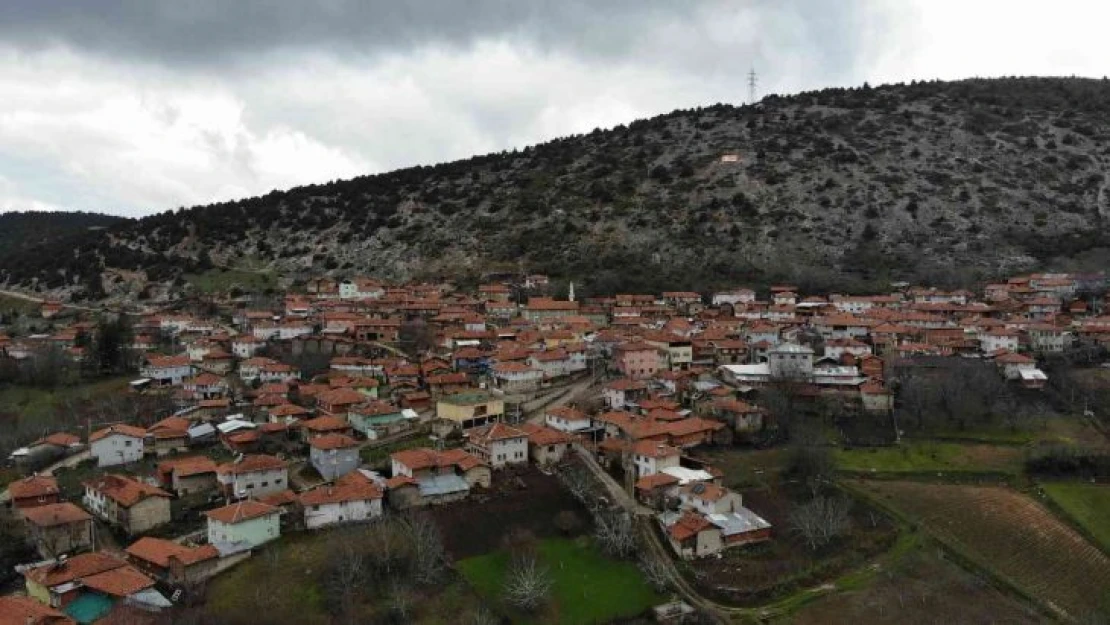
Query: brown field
point(754, 574)
point(1009, 534)
point(524, 499)
point(923, 588)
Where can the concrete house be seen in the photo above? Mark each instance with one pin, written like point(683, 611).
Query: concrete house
point(243, 525)
point(351, 499)
point(546, 445)
point(117, 444)
point(376, 418)
point(429, 477)
point(167, 370)
point(650, 457)
point(498, 445)
point(128, 503)
point(708, 498)
point(58, 528)
point(252, 476)
point(175, 563)
point(187, 476)
point(470, 409)
point(567, 419)
point(333, 455)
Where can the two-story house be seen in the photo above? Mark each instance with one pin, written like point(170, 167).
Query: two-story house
point(243, 525)
point(252, 476)
point(352, 498)
point(333, 455)
point(127, 503)
point(498, 444)
point(117, 444)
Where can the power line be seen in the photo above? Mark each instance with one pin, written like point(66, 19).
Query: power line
point(753, 80)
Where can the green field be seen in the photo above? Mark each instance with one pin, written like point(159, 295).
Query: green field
point(589, 588)
point(921, 456)
point(220, 280)
point(32, 403)
point(17, 305)
point(1088, 505)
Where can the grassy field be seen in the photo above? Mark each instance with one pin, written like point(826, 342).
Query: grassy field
point(1010, 535)
point(1088, 505)
point(220, 280)
point(920, 588)
point(32, 403)
point(589, 588)
point(928, 456)
point(18, 305)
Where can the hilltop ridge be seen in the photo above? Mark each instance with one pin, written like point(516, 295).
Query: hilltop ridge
point(936, 182)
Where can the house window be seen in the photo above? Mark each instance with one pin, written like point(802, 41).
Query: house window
point(277, 481)
point(250, 485)
point(126, 443)
point(265, 484)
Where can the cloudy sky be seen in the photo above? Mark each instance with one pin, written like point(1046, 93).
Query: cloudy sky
point(136, 106)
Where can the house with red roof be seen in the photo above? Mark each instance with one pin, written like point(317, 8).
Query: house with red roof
point(58, 528)
point(117, 444)
point(352, 498)
point(175, 563)
point(126, 502)
point(498, 445)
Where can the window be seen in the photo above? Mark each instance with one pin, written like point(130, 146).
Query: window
point(265, 484)
point(251, 485)
point(126, 443)
point(277, 481)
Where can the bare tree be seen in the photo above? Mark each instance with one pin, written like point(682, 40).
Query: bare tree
point(577, 481)
point(347, 576)
point(400, 601)
point(821, 520)
point(386, 546)
point(655, 572)
point(429, 557)
point(528, 583)
point(614, 533)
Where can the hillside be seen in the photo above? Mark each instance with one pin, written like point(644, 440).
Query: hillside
point(941, 182)
point(20, 232)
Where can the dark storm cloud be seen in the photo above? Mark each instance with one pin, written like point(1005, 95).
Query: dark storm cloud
point(210, 32)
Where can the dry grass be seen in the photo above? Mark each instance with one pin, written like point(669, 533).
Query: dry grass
point(1010, 535)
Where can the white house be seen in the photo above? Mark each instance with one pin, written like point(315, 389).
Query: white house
point(352, 498)
point(567, 419)
point(1000, 339)
point(516, 377)
point(650, 457)
point(252, 476)
point(293, 329)
point(243, 525)
point(246, 346)
point(708, 498)
point(117, 444)
point(1047, 338)
point(167, 370)
point(624, 392)
point(498, 444)
point(733, 297)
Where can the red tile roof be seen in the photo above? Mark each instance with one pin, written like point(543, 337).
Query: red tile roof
point(123, 490)
point(353, 486)
point(333, 441)
point(252, 463)
point(55, 514)
point(18, 610)
point(241, 511)
point(33, 486)
point(158, 551)
point(423, 458)
point(121, 429)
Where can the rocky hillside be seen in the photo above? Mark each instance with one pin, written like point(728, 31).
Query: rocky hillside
point(942, 182)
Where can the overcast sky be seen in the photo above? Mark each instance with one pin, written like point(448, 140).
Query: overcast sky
point(132, 107)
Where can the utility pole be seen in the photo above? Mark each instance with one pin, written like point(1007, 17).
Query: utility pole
point(753, 80)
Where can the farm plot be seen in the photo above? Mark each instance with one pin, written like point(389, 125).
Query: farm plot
point(1010, 535)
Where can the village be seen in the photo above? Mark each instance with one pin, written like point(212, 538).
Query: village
point(348, 401)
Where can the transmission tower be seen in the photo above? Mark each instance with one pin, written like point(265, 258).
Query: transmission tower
point(752, 81)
